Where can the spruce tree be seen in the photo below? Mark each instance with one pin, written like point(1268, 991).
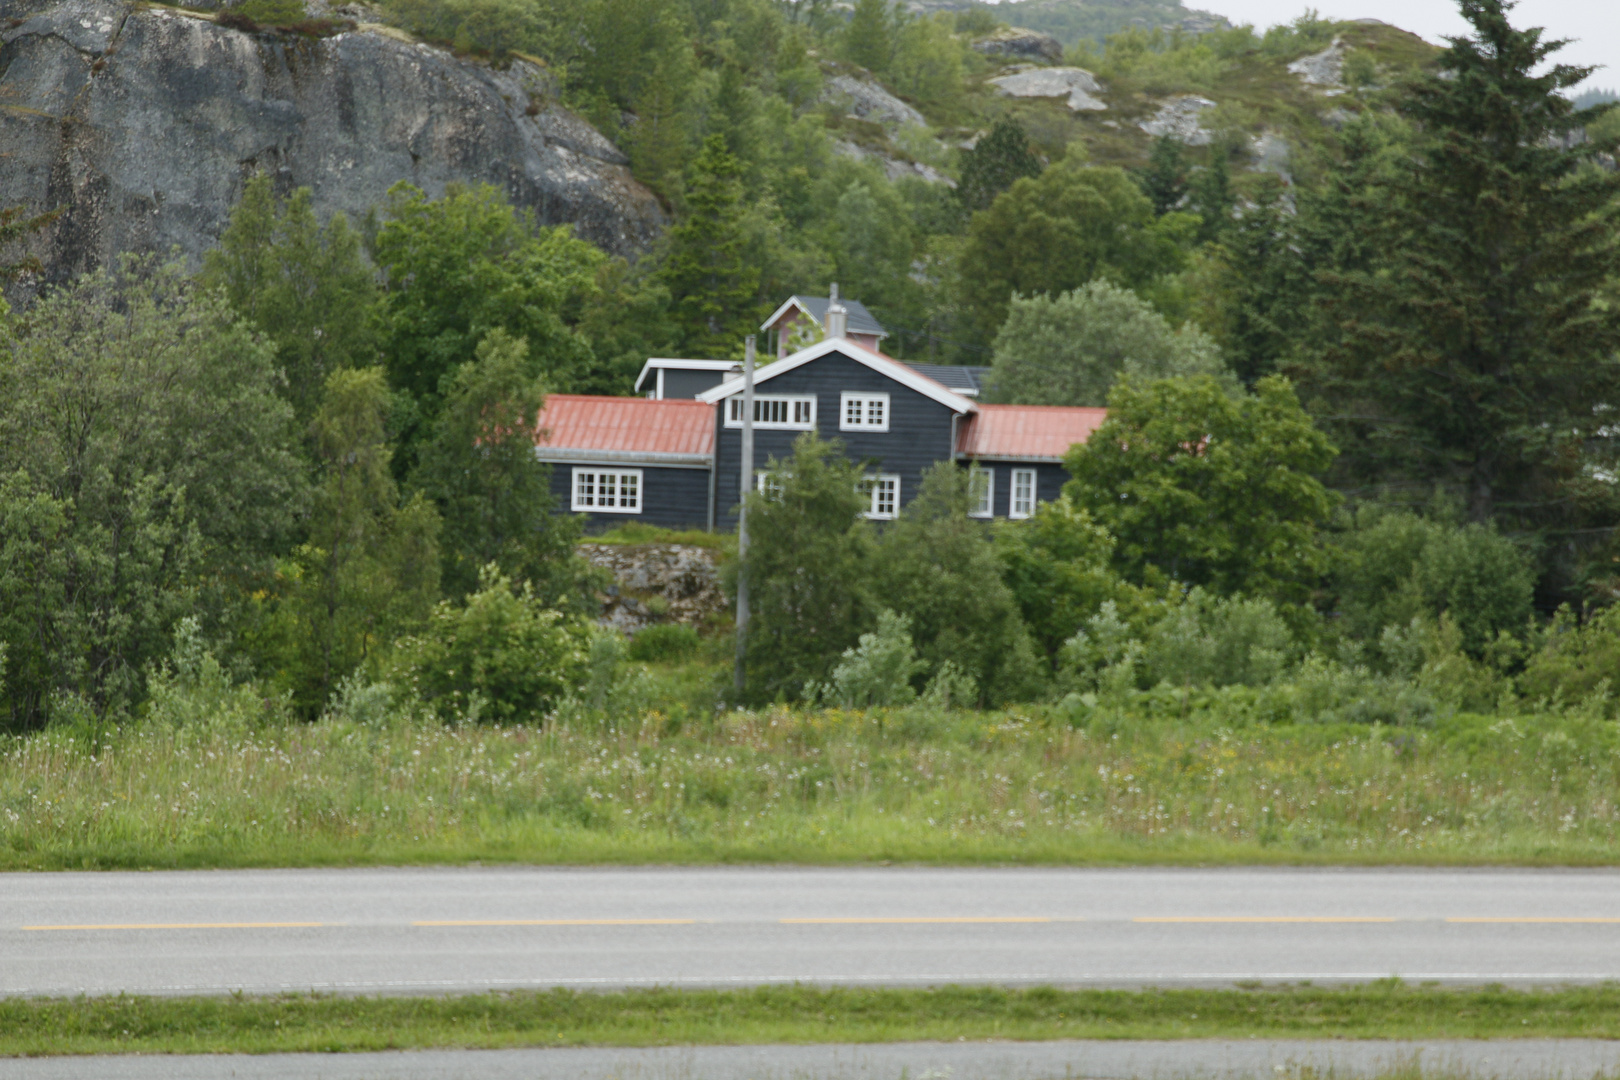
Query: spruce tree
point(1165, 178)
point(869, 37)
point(1474, 351)
point(996, 161)
point(712, 287)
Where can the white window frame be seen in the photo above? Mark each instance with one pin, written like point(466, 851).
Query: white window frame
point(1017, 508)
point(863, 404)
point(591, 504)
point(873, 486)
point(768, 482)
point(798, 410)
point(982, 482)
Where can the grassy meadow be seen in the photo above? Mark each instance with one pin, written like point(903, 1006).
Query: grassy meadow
point(1187, 782)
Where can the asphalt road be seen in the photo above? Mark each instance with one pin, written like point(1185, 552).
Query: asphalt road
point(457, 930)
point(1214, 1059)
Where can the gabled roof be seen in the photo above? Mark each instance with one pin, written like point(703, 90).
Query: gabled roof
point(894, 369)
point(1041, 433)
point(580, 427)
point(967, 381)
point(860, 321)
point(676, 364)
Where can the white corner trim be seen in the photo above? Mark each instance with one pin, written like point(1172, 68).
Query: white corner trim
point(893, 369)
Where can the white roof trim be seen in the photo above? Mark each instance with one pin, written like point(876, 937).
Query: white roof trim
point(676, 364)
point(895, 370)
point(1004, 459)
point(792, 301)
point(566, 455)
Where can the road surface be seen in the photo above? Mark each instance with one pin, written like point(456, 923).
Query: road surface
point(1215, 1059)
point(456, 930)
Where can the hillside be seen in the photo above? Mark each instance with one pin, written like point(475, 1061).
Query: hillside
point(1071, 20)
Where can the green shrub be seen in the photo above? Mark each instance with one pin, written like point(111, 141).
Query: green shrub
point(501, 657)
point(664, 642)
point(879, 670)
point(190, 689)
point(1577, 662)
point(1394, 567)
point(1217, 641)
point(272, 12)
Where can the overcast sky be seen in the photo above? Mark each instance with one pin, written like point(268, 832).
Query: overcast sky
point(1594, 24)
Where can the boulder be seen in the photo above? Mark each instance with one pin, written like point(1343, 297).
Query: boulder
point(143, 123)
point(1021, 44)
point(657, 583)
point(1179, 119)
point(1079, 86)
point(868, 101)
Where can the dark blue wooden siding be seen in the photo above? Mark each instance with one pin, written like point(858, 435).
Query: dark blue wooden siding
point(680, 383)
point(1049, 481)
point(673, 498)
point(919, 434)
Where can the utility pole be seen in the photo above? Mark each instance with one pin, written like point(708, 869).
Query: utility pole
point(745, 485)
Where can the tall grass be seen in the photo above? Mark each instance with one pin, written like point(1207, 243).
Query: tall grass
point(818, 786)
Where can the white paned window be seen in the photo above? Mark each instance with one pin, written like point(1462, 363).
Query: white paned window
point(607, 491)
point(789, 412)
point(1023, 493)
point(769, 483)
point(863, 412)
point(982, 489)
point(884, 492)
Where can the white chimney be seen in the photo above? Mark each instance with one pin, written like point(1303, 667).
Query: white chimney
point(837, 321)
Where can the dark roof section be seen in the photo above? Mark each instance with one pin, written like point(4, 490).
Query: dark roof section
point(967, 381)
point(860, 320)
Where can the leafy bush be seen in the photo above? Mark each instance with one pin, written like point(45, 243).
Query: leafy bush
point(1577, 661)
point(879, 670)
point(271, 12)
point(1394, 567)
point(190, 689)
point(502, 657)
point(664, 642)
point(1217, 641)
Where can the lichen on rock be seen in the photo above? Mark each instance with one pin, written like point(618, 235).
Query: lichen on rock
point(1078, 85)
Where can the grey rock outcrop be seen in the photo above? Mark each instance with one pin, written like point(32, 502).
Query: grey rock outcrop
point(1021, 44)
point(142, 124)
point(1325, 68)
point(1078, 85)
point(894, 168)
point(657, 583)
point(868, 101)
point(1179, 119)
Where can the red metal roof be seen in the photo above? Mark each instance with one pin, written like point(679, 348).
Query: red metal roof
point(1026, 431)
point(626, 425)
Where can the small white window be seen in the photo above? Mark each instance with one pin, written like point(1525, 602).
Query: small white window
point(1023, 493)
point(982, 489)
point(768, 483)
point(787, 412)
point(863, 412)
point(607, 491)
point(884, 492)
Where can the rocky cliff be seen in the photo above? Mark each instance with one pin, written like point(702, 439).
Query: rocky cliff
point(143, 122)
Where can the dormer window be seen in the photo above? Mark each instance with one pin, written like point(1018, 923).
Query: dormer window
point(863, 412)
point(783, 412)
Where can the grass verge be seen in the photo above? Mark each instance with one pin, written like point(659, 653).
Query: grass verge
point(786, 785)
point(794, 1014)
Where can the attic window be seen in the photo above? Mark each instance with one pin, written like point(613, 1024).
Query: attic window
point(863, 412)
point(788, 412)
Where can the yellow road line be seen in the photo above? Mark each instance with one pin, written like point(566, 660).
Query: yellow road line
point(1528, 919)
point(926, 919)
point(1263, 919)
point(181, 926)
point(555, 922)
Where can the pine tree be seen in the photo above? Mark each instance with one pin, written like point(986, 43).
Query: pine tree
point(869, 37)
point(995, 162)
point(713, 289)
point(1211, 197)
point(1165, 178)
point(1476, 352)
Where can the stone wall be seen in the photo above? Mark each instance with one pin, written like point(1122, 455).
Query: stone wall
point(656, 583)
